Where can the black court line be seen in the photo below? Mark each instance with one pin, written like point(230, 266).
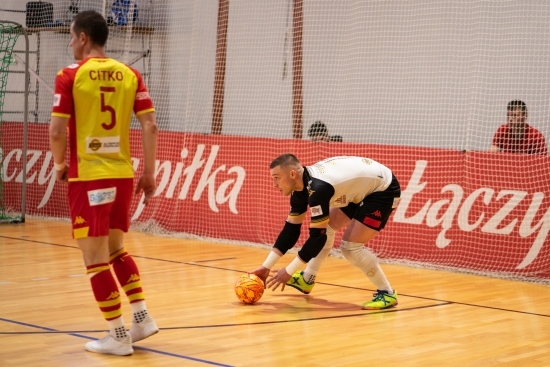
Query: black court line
point(76, 334)
point(192, 263)
point(364, 314)
point(446, 301)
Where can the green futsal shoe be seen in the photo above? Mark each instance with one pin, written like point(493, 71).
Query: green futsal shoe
point(381, 300)
point(297, 281)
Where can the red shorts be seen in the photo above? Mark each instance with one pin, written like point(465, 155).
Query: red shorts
point(97, 206)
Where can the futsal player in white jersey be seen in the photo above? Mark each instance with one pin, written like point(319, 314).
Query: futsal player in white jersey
point(353, 192)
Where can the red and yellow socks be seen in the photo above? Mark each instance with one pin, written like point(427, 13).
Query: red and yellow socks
point(107, 297)
point(127, 274)
point(105, 290)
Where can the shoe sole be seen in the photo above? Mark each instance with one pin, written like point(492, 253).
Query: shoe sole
point(379, 308)
point(115, 354)
point(156, 332)
point(300, 289)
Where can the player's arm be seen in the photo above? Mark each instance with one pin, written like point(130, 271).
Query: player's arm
point(497, 138)
point(145, 113)
point(319, 207)
point(288, 236)
point(149, 138)
point(58, 146)
point(319, 204)
point(62, 110)
point(543, 149)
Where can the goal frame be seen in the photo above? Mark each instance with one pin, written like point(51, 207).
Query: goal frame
point(21, 218)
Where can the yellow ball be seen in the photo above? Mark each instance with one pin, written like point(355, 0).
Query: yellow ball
point(249, 288)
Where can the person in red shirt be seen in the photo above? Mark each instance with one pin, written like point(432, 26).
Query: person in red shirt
point(517, 136)
point(93, 105)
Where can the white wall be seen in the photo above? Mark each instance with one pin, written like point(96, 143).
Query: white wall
point(428, 73)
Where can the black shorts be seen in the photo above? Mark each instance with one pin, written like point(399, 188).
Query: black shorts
point(375, 209)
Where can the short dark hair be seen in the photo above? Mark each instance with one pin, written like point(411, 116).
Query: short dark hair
point(517, 104)
point(93, 25)
point(285, 160)
point(317, 128)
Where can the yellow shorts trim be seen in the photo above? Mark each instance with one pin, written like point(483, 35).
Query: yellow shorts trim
point(80, 232)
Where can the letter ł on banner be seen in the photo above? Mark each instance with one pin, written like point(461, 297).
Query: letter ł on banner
point(414, 187)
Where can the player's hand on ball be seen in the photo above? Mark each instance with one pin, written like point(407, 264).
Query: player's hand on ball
point(280, 278)
point(261, 272)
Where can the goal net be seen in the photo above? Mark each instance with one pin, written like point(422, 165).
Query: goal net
point(12, 201)
point(421, 87)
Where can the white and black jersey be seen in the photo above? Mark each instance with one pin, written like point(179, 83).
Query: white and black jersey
point(338, 182)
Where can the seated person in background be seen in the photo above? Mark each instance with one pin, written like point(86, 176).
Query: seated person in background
point(517, 136)
point(318, 132)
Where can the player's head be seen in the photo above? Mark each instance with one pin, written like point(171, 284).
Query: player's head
point(517, 113)
point(286, 172)
point(88, 30)
point(318, 132)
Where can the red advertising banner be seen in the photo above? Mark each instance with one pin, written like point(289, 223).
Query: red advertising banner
point(476, 211)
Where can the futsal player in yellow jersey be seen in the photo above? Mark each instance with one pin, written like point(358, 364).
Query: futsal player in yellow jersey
point(95, 99)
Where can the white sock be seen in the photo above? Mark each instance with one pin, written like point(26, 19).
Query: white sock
point(139, 311)
point(362, 258)
point(116, 328)
point(138, 306)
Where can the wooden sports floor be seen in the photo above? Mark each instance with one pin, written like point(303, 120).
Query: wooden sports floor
point(47, 311)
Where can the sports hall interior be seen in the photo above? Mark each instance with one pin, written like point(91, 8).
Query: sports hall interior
point(420, 86)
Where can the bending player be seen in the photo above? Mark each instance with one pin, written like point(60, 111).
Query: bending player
point(95, 98)
point(353, 192)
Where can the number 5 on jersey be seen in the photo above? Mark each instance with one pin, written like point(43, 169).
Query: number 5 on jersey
point(107, 108)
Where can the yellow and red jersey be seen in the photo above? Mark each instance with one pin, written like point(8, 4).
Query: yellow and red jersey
point(99, 95)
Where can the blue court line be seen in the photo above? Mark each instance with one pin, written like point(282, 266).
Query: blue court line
point(135, 347)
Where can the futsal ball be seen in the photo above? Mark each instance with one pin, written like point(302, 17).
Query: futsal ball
point(249, 288)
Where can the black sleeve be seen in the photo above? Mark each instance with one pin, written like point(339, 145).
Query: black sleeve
point(314, 244)
point(320, 193)
point(298, 203)
point(288, 237)
point(291, 232)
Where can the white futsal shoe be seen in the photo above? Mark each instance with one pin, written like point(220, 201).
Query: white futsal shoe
point(110, 345)
point(144, 329)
